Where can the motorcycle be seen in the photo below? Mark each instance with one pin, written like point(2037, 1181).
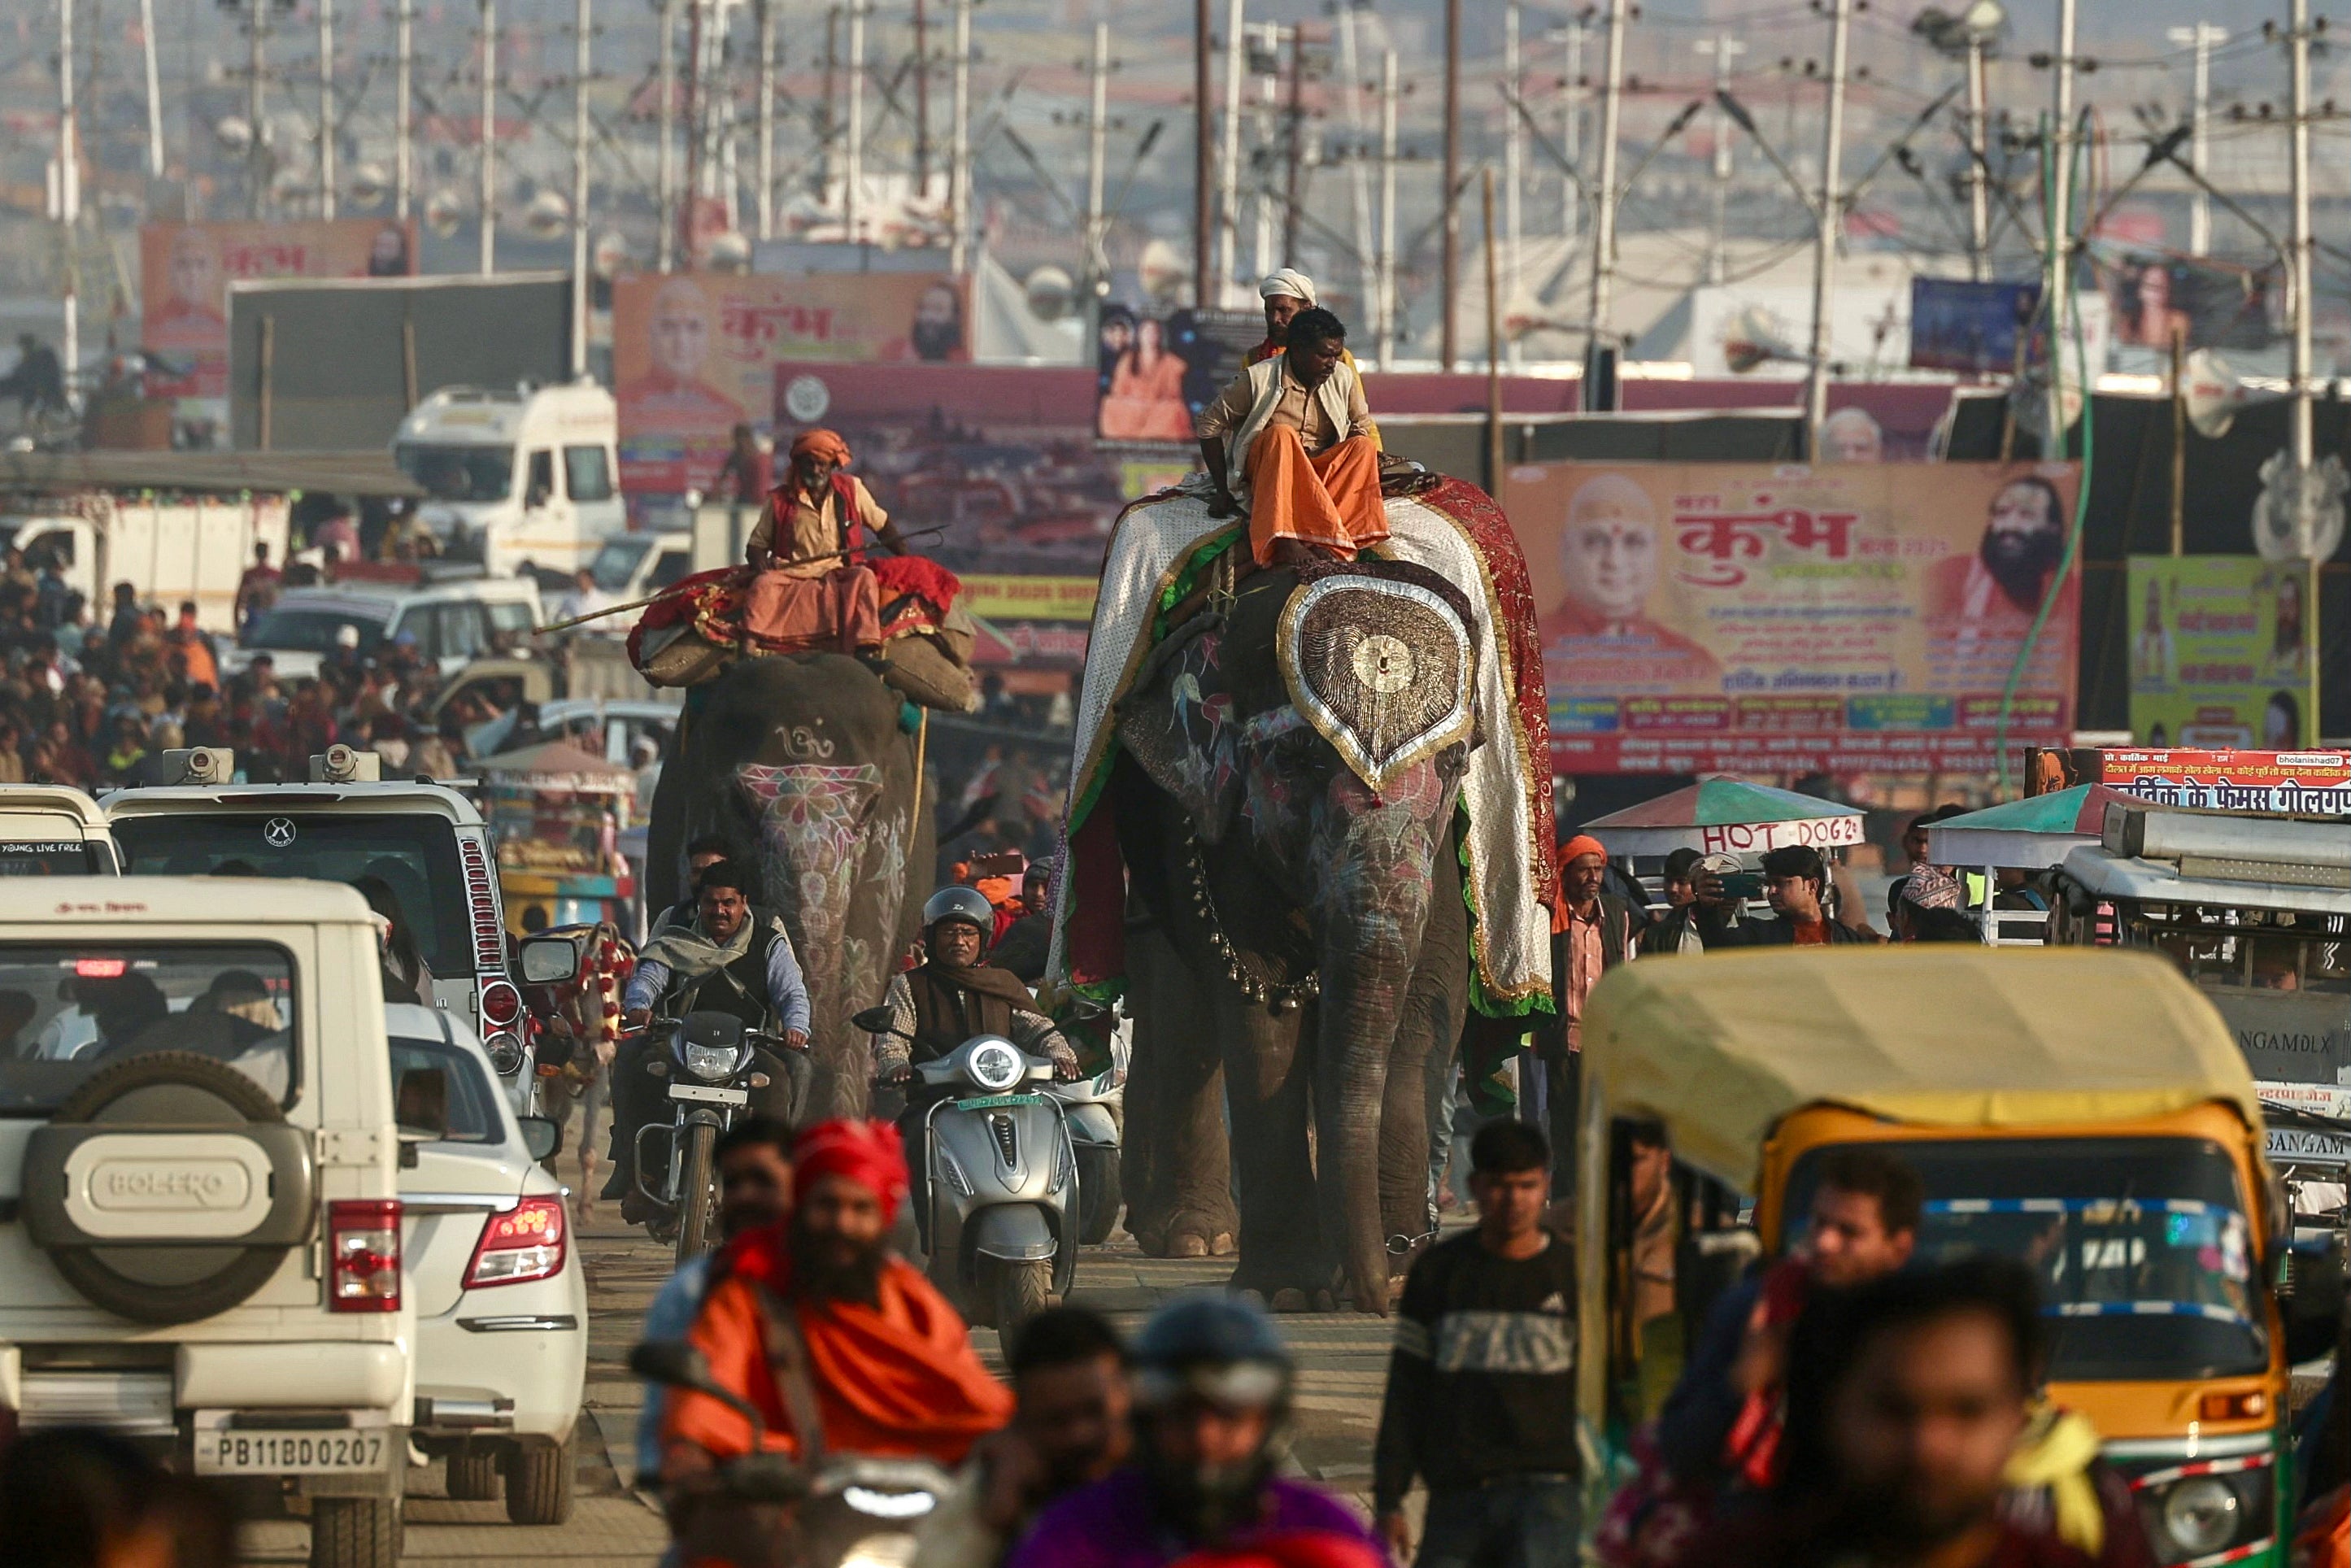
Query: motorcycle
point(1000, 1213)
point(770, 1510)
point(713, 1063)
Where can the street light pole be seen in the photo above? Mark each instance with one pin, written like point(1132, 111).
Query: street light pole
point(154, 90)
point(2298, 58)
point(1604, 216)
point(1831, 215)
point(1724, 48)
point(257, 157)
point(403, 50)
point(853, 193)
point(1513, 155)
point(326, 109)
point(68, 192)
point(1204, 239)
point(765, 207)
point(1229, 197)
point(488, 199)
point(1979, 189)
point(1388, 299)
point(666, 178)
point(2057, 285)
point(1448, 274)
point(959, 177)
point(2202, 37)
point(581, 62)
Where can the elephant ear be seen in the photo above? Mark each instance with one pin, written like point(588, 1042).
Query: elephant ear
point(1380, 668)
point(1179, 724)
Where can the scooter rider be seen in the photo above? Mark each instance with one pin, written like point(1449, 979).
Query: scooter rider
point(1212, 1386)
point(733, 957)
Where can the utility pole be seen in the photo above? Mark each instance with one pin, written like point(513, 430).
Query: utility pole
point(1359, 194)
point(154, 90)
point(1831, 215)
point(1447, 276)
point(1203, 170)
point(1725, 49)
point(1513, 154)
point(852, 187)
point(665, 238)
point(2057, 285)
point(2298, 58)
point(69, 193)
point(959, 177)
point(1097, 134)
point(581, 63)
point(326, 107)
point(696, 123)
point(403, 49)
point(1294, 145)
point(1571, 201)
point(2202, 37)
point(488, 199)
point(257, 155)
point(1387, 294)
point(922, 102)
point(1603, 218)
point(1229, 196)
point(1979, 151)
point(828, 119)
point(765, 210)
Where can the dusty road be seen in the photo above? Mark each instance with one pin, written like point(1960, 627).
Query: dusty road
point(1343, 1359)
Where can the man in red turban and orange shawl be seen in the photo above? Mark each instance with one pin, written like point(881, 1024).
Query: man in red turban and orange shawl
point(891, 1369)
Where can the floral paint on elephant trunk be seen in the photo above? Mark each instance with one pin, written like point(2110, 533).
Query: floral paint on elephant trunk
point(820, 843)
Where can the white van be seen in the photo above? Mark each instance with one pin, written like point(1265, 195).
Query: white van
point(200, 1218)
point(454, 621)
point(51, 830)
point(516, 477)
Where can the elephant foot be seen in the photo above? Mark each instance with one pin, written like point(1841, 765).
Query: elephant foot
point(1194, 1235)
point(1184, 1244)
point(1222, 1245)
point(1288, 1299)
point(1150, 1236)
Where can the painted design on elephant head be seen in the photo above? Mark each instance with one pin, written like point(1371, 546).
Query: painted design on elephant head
point(803, 742)
point(812, 817)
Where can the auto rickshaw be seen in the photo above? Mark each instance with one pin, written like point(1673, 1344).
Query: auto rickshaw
point(2086, 1111)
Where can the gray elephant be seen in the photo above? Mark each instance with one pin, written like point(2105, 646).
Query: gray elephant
point(807, 759)
point(1284, 796)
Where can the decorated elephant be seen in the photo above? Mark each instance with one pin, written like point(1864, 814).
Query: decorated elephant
point(809, 761)
point(1320, 785)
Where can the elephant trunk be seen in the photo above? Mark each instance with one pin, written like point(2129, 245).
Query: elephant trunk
point(1377, 894)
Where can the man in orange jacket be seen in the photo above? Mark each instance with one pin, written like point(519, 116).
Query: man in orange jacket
point(890, 1367)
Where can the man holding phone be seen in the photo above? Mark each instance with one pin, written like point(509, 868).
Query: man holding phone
point(1795, 879)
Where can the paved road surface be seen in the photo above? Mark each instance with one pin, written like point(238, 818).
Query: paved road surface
point(1342, 1361)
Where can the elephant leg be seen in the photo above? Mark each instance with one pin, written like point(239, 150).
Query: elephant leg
point(1268, 1078)
point(1177, 1156)
point(1436, 1007)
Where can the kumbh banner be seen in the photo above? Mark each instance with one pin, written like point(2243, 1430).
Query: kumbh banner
point(2216, 651)
point(184, 271)
point(694, 354)
point(1779, 619)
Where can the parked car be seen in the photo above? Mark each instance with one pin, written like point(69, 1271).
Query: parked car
point(454, 621)
point(501, 1302)
point(203, 1251)
point(426, 842)
point(51, 830)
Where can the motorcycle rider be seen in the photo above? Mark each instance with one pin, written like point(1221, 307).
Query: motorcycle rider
point(1212, 1385)
point(837, 1342)
point(951, 997)
point(733, 956)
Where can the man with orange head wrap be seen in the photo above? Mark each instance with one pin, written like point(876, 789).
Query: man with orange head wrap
point(819, 513)
point(889, 1366)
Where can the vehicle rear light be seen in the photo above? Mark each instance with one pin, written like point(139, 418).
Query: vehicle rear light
point(501, 1004)
point(506, 1052)
point(526, 1242)
point(363, 1255)
point(2241, 1406)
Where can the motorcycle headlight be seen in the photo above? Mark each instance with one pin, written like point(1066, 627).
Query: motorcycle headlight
point(994, 1066)
point(712, 1063)
point(2201, 1514)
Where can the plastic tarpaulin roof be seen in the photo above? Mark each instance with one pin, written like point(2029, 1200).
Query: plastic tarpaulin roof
point(2035, 831)
point(1725, 815)
point(555, 765)
point(1720, 1048)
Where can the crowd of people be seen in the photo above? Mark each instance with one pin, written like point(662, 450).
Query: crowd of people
point(94, 701)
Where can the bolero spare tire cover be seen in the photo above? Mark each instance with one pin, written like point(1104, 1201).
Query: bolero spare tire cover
point(168, 1187)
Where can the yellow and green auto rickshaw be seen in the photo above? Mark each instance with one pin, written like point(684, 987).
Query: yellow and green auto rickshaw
point(2084, 1111)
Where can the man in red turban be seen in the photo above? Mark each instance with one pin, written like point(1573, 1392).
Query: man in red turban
point(890, 1367)
point(818, 512)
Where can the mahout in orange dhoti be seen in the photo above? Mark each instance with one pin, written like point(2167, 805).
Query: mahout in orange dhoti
point(1294, 436)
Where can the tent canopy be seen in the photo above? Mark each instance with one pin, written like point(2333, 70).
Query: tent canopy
point(555, 765)
point(2035, 833)
point(1727, 816)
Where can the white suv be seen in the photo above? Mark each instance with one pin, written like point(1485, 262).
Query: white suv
point(501, 1302)
point(426, 842)
point(453, 622)
point(200, 1224)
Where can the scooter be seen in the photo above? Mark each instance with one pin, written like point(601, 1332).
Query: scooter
point(769, 1511)
point(999, 1219)
point(712, 1065)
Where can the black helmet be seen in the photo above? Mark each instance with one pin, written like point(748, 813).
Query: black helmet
point(1217, 1346)
point(967, 905)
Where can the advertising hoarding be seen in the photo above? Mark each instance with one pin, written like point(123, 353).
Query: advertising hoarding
point(2216, 651)
point(2306, 783)
point(694, 354)
point(1155, 372)
point(184, 271)
point(1779, 619)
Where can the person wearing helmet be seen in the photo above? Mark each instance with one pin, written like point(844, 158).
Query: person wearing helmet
point(954, 995)
point(1212, 1384)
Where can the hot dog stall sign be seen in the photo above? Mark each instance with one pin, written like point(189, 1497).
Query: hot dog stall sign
point(1727, 816)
